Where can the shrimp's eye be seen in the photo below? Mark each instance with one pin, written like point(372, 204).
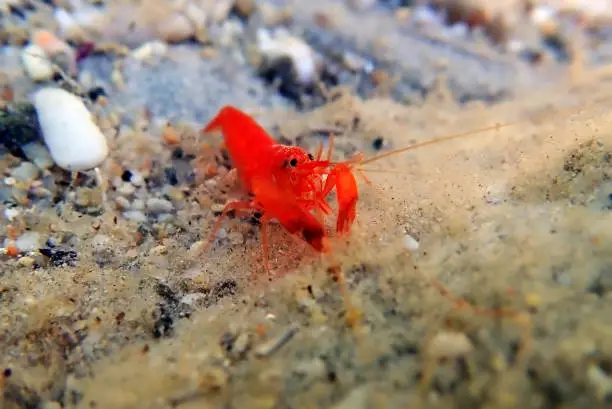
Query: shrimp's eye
point(310, 156)
point(293, 162)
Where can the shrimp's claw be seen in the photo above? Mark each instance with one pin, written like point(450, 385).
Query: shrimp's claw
point(294, 217)
point(346, 190)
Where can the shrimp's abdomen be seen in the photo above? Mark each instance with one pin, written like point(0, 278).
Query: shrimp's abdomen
point(248, 144)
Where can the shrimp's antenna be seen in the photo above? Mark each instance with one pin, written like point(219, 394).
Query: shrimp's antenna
point(439, 140)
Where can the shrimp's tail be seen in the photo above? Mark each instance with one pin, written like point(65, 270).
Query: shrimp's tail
point(220, 120)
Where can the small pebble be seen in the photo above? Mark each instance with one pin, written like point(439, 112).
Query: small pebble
point(135, 215)
point(448, 344)
point(165, 217)
point(75, 142)
point(28, 241)
point(312, 369)
point(26, 261)
point(11, 213)
point(241, 345)
point(126, 189)
point(196, 248)
point(192, 298)
point(137, 179)
point(236, 238)
point(600, 382)
point(355, 399)
point(156, 205)
point(122, 203)
point(101, 242)
point(158, 250)
point(175, 28)
point(36, 63)
point(25, 172)
point(213, 379)
point(410, 243)
point(38, 154)
point(149, 50)
point(285, 45)
point(138, 204)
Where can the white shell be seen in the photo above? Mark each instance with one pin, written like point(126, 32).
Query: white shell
point(36, 63)
point(75, 142)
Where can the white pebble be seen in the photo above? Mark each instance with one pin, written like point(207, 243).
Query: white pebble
point(135, 215)
point(192, 298)
point(150, 50)
point(28, 241)
point(410, 243)
point(283, 44)
point(36, 63)
point(122, 203)
point(542, 14)
point(449, 344)
point(138, 204)
point(137, 179)
point(126, 189)
point(11, 213)
point(75, 142)
point(174, 28)
point(156, 205)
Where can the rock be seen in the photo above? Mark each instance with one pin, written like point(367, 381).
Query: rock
point(28, 241)
point(75, 142)
point(284, 45)
point(122, 203)
point(156, 205)
point(410, 243)
point(126, 189)
point(175, 28)
point(135, 215)
point(150, 50)
point(11, 213)
point(448, 344)
point(25, 172)
point(38, 154)
point(36, 63)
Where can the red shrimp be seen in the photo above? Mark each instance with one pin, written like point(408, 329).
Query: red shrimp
point(258, 160)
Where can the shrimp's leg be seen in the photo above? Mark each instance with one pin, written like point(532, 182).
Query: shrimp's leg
point(265, 220)
point(232, 206)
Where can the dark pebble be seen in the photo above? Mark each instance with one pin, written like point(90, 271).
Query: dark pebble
point(126, 176)
point(178, 153)
point(96, 93)
point(378, 143)
point(224, 288)
point(170, 173)
point(59, 257)
point(18, 127)
point(164, 322)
